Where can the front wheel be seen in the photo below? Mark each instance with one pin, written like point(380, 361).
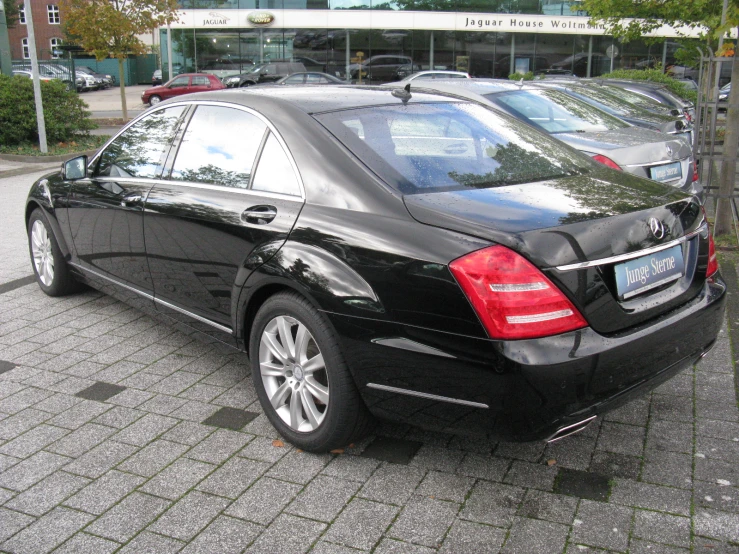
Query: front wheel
point(245, 84)
point(301, 378)
point(49, 266)
point(154, 100)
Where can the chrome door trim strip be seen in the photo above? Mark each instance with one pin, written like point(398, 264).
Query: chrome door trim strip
point(428, 396)
point(157, 300)
point(114, 281)
point(631, 255)
point(411, 345)
point(194, 316)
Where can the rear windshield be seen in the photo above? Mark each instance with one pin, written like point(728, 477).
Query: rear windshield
point(555, 112)
point(608, 99)
point(447, 146)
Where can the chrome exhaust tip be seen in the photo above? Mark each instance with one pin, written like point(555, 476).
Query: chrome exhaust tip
point(570, 429)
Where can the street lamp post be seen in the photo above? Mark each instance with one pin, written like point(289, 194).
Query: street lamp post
point(36, 81)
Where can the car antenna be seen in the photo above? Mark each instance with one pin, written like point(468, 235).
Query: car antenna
point(404, 94)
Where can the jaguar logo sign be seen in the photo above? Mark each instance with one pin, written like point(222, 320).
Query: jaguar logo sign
point(215, 18)
point(260, 19)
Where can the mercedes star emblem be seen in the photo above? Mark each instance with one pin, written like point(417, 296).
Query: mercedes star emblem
point(669, 151)
point(657, 227)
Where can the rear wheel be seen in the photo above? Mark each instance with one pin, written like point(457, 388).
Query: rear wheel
point(245, 84)
point(154, 100)
point(49, 266)
point(301, 378)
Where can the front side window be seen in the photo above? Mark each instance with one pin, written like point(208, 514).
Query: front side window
point(55, 43)
point(219, 147)
point(141, 150)
point(556, 112)
point(180, 82)
point(22, 15)
point(26, 50)
point(52, 11)
point(425, 147)
point(275, 173)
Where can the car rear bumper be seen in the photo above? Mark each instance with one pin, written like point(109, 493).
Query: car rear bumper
point(521, 390)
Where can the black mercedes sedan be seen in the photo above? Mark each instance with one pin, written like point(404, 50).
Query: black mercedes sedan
point(379, 252)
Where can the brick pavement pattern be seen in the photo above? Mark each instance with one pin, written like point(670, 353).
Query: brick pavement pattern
point(121, 434)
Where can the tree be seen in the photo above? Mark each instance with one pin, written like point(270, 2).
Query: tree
point(631, 20)
point(109, 28)
point(12, 12)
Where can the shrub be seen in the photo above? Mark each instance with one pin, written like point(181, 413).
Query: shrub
point(528, 76)
point(66, 115)
point(656, 76)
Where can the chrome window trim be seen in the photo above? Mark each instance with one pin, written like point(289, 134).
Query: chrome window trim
point(154, 299)
point(428, 396)
point(196, 103)
point(631, 255)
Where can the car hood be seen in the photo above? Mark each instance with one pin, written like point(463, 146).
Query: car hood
point(155, 90)
point(629, 146)
point(562, 221)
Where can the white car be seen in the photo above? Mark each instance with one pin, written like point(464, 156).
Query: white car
point(435, 74)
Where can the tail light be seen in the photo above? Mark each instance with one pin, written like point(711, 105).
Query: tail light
point(512, 298)
point(695, 171)
point(606, 161)
point(712, 259)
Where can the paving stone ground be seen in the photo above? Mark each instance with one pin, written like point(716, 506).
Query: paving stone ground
point(120, 434)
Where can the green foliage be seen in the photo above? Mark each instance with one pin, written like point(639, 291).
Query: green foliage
point(528, 76)
point(65, 113)
point(12, 12)
point(656, 76)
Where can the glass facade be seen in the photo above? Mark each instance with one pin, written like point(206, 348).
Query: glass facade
point(388, 41)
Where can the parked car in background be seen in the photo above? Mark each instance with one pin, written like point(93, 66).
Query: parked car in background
point(658, 93)
point(182, 84)
point(307, 78)
point(605, 138)
point(106, 79)
point(723, 97)
point(27, 73)
point(156, 77)
point(414, 257)
point(612, 101)
point(435, 74)
point(223, 68)
point(383, 69)
point(49, 71)
point(95, 83)
point(269, 72)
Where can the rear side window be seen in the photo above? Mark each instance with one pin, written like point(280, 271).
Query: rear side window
point(448, 146)
point(219, 147)
point(140, 151)
point(275, 173)
point(200, 81)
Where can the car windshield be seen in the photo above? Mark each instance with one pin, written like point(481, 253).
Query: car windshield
point(555, 112)
point(449, 146)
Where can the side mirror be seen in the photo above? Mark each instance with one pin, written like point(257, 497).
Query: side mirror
point(74, 169)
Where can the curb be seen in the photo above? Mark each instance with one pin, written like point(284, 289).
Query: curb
point(45, 159)
point(729, 273)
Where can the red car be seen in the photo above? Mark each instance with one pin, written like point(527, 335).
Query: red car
point(182, 84)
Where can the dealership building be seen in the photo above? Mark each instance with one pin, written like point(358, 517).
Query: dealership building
point(487, 38)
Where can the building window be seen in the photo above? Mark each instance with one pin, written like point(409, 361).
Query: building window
point(55, 48)
point(26, 50)
point(53, 12)
point(22, 15)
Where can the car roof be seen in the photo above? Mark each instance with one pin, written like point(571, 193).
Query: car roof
point(332, 97)
point(478, 86)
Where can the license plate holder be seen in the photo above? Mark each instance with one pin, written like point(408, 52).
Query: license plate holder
point(666, 172)
point(647, 272)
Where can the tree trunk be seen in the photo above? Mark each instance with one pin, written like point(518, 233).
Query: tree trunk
point(123, 90)
point(728, 165)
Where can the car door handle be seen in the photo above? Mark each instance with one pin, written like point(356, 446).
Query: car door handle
point(259, 214)
point(131, 200)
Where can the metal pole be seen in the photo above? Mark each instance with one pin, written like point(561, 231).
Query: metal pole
point(6, 65)
point(723, 22)
point(664, 56)
point(590, 58)
point(169, 54)
point(36, 81)
point(431, 53)
point(613, 54)
point(513, 54)
point(347, 70)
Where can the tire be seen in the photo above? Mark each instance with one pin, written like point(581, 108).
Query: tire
point(312, 424)
point(246, 84)
point(154, 100)
point(49, 266)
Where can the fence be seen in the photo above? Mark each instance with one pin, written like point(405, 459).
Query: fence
point(136, 70)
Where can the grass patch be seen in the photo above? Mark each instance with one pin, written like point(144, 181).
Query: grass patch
point(78, 144)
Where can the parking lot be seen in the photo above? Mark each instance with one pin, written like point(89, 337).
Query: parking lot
point(118, 433)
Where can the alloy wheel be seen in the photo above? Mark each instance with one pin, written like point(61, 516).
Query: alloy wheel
point(43, 257)
point(294, 374)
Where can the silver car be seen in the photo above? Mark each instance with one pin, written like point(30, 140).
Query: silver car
point(605, 138)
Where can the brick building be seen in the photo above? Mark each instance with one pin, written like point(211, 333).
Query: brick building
point(47, 25)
